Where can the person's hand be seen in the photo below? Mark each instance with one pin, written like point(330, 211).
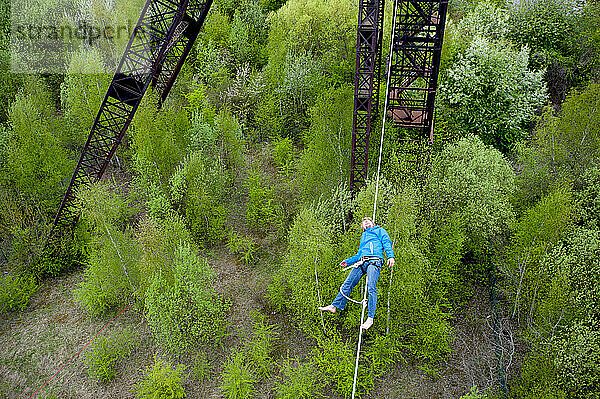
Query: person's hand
point(343, 264)
point(391, 262)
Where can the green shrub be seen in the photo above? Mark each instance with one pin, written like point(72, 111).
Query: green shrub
point(238, 378)
point(113, 273)
point(311, 245)
point(105, 353)
point(242, 245)
point(158, 241)
point(563, 148)
point(299, 382)
point(474, 394)
point(186, 311)
point(534, 235)
point(537, 379)
point(197, 189)
point(474, 182)
point(260, 346)
point(589, 198)
point(324, 164)
point(158, 141)
point(283, 154)
point(490, 92)
point(16, 291)
point(260, 206)
point(577, 359)
point(37, 161)
point(334, 360)
point(161, 381)
point(207, 217)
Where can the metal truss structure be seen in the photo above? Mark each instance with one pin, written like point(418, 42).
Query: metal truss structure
point(154, 56)
point(366, 85)
point(414, 69)
point(415, 63)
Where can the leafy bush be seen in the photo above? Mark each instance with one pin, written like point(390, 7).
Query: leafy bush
point(242, 245)
point(231, 143)
point(491, 93)
point(311, 247)
point(474, 394)
point(238, 378)
point(543, 25)
point(196, 190)
point(486, 19)
point(186, 311)
point(299, 382)
point(334, 361)
point(534, 234)
point(589, 198)
point(260, 346)
point(105, 354)
point(113, 274)
point(474, 182)
point(578, 359)
point(323, 28)
point(161, 381)
point(283, 154)
point(16, 291)
point(23, 230)
point(37, 161)
point(260, 208)
point(564, 147)
point(324, 163)
point(537, 379)
point(158, 141)
point(252, 363)
point(158, 241)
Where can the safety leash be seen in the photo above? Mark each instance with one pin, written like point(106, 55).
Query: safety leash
point(319, 295)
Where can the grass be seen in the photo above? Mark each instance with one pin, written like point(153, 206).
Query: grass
point(35, 343)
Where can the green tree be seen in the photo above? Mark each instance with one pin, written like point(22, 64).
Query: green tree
point(474, 183)
point(113, 273)
point(186, 311)
point(159, 138)
point(324, 162)
point(326, 29)
point(564, 146)
point(37, 163)
point(529, 283)
point(490, 92)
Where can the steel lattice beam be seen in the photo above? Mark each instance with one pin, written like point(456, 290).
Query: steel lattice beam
point(415, 64)
point(154, 55)
point(419, 30)
point(366, 85)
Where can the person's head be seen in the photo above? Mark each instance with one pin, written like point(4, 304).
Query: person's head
point(366, 223)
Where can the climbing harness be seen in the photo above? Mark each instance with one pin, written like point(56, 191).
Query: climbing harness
point(354, 266)
point(389, 67)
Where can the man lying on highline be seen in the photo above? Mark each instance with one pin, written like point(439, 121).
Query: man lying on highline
point(369, 259)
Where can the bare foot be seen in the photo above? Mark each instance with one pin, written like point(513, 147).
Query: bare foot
point(368, 323)
point(329, 308)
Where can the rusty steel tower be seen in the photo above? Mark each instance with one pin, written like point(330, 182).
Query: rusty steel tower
point(413, 73)
point(156, 51)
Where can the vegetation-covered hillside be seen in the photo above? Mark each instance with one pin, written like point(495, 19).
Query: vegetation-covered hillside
point(219, 227)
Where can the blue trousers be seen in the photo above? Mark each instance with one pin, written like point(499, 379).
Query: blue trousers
point(371, 268)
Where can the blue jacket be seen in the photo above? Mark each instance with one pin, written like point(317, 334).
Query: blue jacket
point(372, 243)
